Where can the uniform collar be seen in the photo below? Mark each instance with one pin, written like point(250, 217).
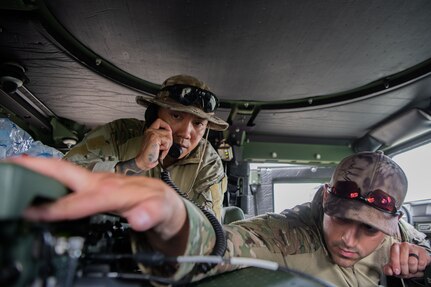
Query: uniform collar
point(317, 213)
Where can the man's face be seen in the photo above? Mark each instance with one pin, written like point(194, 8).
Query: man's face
point(349, 241)
point(187, 129)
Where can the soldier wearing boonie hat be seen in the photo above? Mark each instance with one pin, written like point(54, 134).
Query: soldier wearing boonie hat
point(195, 167)
point(187, 94)
point(370, 188)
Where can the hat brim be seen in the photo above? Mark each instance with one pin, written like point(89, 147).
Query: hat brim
point(214, 122)
point(357, 211)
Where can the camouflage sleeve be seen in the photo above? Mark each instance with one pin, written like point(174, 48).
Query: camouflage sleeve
point(412, 235)
point(212, 198)
point(201, 241)
point(210, 185)
point(217, 193)
point(266, 237)
point(99, 150)
point(95, 147)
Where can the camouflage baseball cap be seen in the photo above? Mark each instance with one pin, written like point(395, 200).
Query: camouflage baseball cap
point(185, 93)
point(380, 185)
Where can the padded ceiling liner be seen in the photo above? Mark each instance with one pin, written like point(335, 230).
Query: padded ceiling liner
point(259, 57)
point(255, 50)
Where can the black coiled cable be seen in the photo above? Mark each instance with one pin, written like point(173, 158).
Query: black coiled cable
point(220, 244)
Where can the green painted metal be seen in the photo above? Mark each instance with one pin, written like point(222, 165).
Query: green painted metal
point(17, 193)
point(294, 153)
point(18, 5)
point(18, 243)
point(60, 132)
point(259, 277)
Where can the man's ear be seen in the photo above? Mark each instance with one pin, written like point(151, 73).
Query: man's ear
point(325, 191)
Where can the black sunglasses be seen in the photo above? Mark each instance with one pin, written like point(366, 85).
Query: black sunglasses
point(376, 198)
point(189, 95)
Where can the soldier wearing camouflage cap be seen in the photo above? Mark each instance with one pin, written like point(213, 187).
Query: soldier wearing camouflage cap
point(179, 115)
point(373, 179)
point(349, 235)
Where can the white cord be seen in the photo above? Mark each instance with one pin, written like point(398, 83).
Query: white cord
point(252, 262)
point(265, 264)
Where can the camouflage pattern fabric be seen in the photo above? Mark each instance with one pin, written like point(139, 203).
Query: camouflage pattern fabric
point(121, 140)
point(294, 239)
point(201, 241)
point(370, 171)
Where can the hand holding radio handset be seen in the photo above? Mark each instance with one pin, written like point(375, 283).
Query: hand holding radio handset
point(158, 143)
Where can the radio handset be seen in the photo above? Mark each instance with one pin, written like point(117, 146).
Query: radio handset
point(175, 151)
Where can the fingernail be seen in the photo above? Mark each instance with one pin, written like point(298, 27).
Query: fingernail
point(141, 221)
point(397, 271)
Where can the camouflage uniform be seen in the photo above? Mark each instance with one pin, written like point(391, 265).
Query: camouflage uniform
point(121, 140)
point(294, 239)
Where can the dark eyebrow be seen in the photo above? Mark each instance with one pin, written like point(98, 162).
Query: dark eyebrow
point(369, 227)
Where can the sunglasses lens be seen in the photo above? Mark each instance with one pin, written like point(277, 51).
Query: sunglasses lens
point(381, 200)
point(346, 189)
point(187, 96)
point(209, 103)
point(377, 198)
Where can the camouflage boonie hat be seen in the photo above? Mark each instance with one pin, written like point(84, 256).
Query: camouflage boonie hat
point(162, 99)
point(370, 171)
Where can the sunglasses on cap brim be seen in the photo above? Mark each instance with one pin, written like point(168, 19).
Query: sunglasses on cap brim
point(375, 198)
point(189, 95)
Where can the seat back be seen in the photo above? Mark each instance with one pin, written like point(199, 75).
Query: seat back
point(231, 214)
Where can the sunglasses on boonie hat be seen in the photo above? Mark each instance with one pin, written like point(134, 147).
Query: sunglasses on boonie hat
point(189, 95)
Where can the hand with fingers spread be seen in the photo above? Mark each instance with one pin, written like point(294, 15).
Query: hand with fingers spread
point(407, 260)
point(148, 204)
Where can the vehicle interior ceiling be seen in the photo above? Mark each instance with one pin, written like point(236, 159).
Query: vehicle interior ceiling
point(298, 81)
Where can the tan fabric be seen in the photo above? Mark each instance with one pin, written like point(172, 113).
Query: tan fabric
point(121, 140)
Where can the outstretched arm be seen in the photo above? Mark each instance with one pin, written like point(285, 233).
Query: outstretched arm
point(148, 204)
